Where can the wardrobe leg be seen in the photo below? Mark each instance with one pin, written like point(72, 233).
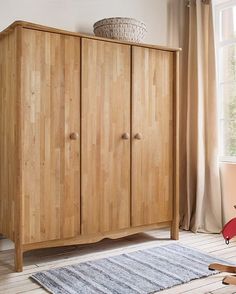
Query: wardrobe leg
point(18, 259)
point(174, 232)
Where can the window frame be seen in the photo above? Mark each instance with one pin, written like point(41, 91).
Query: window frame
point(218, 7)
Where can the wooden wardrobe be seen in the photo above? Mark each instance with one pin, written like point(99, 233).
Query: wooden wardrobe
point(88, 138)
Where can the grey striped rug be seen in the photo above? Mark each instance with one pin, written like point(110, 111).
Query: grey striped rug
point(140, 272)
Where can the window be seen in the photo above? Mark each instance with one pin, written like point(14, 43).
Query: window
point(225, 25)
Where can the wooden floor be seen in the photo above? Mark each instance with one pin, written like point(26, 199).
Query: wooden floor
point(39, 260)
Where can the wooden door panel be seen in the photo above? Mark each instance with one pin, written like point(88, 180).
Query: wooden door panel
point(51, 111)
point(152, 117)
point(105, 155)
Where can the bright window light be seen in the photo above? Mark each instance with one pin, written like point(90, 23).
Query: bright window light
point(225, 25)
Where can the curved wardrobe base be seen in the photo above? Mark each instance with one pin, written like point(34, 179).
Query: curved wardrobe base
point(86, 240)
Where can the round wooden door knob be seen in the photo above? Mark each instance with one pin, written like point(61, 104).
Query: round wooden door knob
point(138, 136)
point(74, 136)
point(125, 136)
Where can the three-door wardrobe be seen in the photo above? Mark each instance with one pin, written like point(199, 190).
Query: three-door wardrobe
point(88, 138)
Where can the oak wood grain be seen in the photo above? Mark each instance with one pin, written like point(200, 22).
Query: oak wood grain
point(105, 118)
point(38, 27)
point(92, 238)
point(51, 107)
point(176, 150)
point(123, 118)
point(9, 136)
point(10, 142)
point(152, 136)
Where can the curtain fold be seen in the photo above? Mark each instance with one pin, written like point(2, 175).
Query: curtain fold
point(200, 190)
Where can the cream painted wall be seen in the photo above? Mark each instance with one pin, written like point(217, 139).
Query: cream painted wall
point(79, 15)
point(228, 185)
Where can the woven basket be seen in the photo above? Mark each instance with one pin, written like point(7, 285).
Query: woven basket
point(120, 28)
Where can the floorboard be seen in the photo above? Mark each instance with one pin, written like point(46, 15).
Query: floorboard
point(38, 260)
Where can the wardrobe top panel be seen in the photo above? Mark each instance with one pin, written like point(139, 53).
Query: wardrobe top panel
point(34, 26)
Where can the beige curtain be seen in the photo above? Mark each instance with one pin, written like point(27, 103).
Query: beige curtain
point(200, 191)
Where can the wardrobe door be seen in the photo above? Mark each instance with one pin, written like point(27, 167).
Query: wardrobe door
point(51, 146)
point(105, 136)
point(152, 136)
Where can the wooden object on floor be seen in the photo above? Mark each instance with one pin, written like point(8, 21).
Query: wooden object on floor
point(89, 138)
point(229, 280)
point(222, 268)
